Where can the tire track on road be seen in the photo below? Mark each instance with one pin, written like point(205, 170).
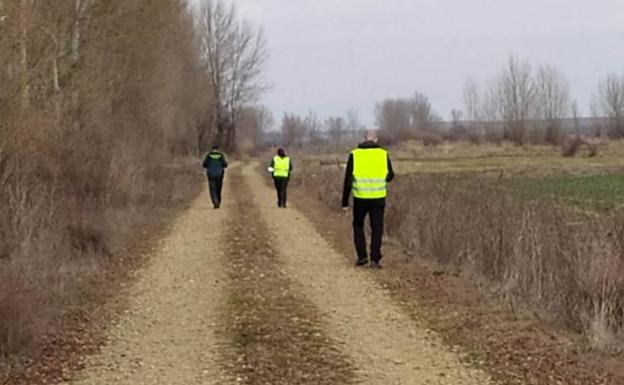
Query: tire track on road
point(277, 333)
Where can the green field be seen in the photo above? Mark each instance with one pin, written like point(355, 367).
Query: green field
point(598, 192)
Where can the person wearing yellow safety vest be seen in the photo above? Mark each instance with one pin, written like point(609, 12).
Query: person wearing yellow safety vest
point(369, 170)
point(281, 168)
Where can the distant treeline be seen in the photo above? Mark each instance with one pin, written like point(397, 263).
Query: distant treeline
point(520, 104)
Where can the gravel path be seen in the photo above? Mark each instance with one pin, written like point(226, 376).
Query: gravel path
point(386, 346)
point(252, 294)
point(167, 336)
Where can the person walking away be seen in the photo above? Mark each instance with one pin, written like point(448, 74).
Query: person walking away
point(369, 170)
point(281, 168)
point(215, 165)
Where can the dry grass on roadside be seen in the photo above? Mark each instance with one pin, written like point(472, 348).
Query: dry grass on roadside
point(563, 265)
point(65, 220)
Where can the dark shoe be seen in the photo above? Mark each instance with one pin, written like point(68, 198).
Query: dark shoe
point(376, 265)
point(361, 262)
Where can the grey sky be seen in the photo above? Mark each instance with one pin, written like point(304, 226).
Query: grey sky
point(331, 56)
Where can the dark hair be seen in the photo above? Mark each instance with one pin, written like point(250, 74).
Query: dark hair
point(215, 147)
point(281, 152)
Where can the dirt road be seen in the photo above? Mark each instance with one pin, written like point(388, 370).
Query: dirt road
point(252, 294)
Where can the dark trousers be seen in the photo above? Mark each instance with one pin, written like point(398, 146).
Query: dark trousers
point(375, 209)
point(281, 185)
point(216, 185)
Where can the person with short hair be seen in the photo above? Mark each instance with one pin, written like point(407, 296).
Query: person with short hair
point(215, 165)
point(369, 170)
point(281, 169)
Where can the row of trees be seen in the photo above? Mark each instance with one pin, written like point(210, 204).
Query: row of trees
point(100, 101)
point(521, 100)
point(299, 130)
point(406, 117)
point(520, 104)
point(526, 101)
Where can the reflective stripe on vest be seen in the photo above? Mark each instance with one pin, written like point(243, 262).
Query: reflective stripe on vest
point(215, 156)
point(370, 170)
point(281, 167)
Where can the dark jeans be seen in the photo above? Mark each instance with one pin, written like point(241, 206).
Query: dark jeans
point(281, 185)
point(375, 209)
point(216, 185)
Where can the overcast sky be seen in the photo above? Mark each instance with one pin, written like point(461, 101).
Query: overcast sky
point(330, 56)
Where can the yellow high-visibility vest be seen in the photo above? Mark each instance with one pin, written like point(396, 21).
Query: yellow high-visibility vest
point(370, 170)
point(281, 167)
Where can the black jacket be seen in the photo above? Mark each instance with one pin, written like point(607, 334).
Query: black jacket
point(215, 164)
point(348, 182)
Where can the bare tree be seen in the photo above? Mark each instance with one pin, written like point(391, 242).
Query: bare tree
point(456, 117)
point(394, 116)
point(293, 130)
point(234, 54)
point(254, 122)
point(472, 101)
point(353, 122)
point(552, 94)
point(313, 127)
point(336, 128)
point(576, 117)
point(404, 118)
point(516, 94)
point(609, 102)
point(552, 103)
point(422, 116)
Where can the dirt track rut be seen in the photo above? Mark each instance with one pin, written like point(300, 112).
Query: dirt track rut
point(253, 294)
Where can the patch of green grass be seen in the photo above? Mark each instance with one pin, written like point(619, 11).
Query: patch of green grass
point(597, 192)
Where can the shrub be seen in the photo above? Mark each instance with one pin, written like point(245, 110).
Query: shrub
point(573, 145)
point(430, 138)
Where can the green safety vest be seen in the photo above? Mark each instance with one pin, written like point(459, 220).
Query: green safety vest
point(215, 155)
point(281, 167)
point(370, 170)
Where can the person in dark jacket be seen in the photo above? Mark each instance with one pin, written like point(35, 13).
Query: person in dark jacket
point(215, 165)
point(369, 169)
point(281, 168)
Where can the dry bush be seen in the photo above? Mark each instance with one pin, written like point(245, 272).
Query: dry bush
point(571, 147)
point(574, 145)
point(429, 138)
point(464, 133)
